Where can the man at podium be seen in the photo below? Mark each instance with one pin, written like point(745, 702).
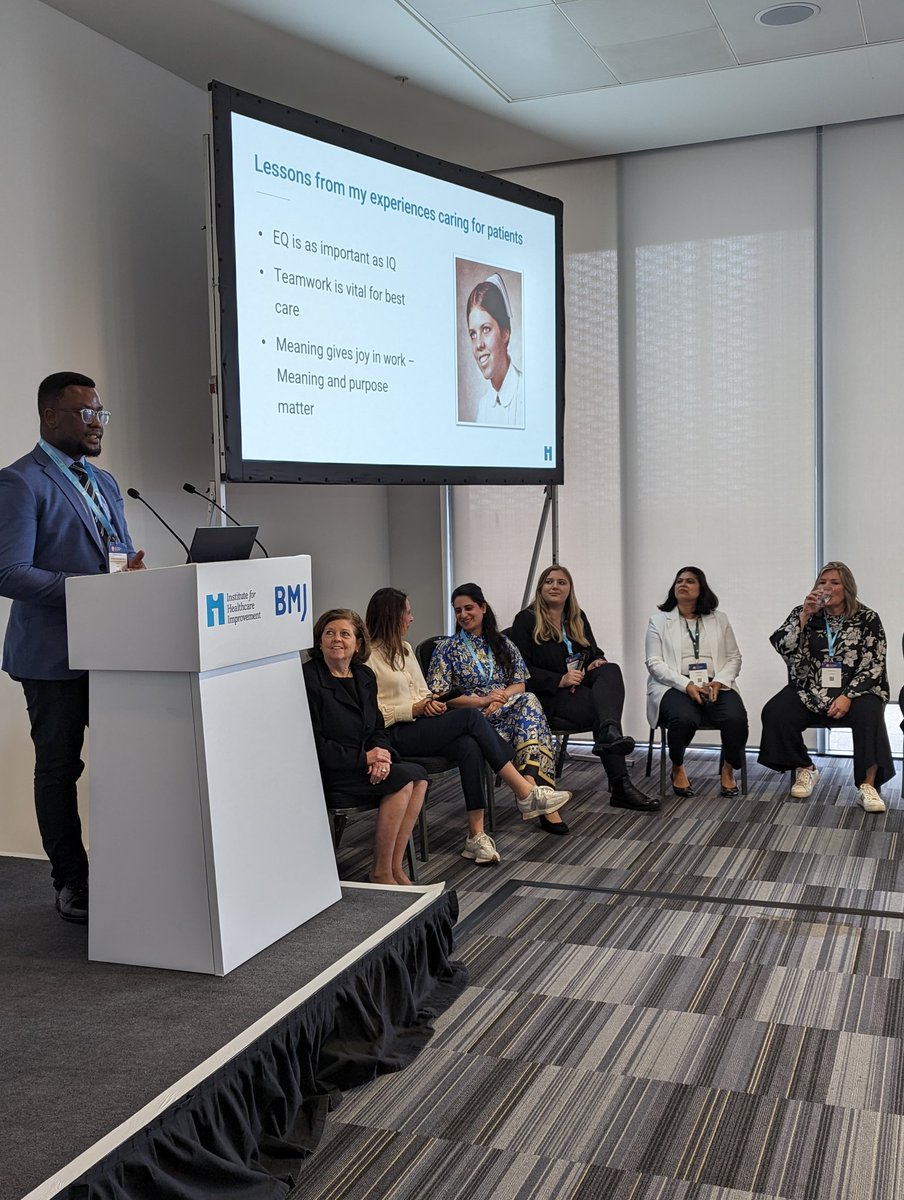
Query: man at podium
point(61, 517)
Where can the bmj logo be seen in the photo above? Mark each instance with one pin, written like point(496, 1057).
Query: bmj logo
point(216, 609)
point(291, 598)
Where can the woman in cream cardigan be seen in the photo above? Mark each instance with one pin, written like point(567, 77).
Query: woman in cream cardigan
point(693, 661)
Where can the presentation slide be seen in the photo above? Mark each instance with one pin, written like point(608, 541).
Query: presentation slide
point(384, 323)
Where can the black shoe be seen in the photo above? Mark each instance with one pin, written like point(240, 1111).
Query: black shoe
point(558, 827)
point(612, 741)
point(680, 791)
point(72, 901)
point(626, 795)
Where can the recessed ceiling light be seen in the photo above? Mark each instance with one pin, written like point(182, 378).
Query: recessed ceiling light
point(786, 14)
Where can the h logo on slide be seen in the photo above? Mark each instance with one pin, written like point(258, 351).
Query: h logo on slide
point(293, 598)
point(216, 609)
point(547, 453)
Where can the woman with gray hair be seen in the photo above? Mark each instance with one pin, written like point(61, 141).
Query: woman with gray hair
point(835, 651)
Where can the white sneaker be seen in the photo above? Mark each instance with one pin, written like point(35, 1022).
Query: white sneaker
point(481, 848)
point(804, 782)
point(868, 798)
point(540, 801)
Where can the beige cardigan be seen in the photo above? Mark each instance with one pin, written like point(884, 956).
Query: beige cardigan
point(397, 691)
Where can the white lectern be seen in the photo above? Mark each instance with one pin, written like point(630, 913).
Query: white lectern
point(209, 834)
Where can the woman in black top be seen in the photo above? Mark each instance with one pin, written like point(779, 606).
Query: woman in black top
point(354, 753)
point(573, 680)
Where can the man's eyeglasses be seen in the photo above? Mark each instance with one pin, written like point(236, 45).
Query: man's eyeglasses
point(89, 414)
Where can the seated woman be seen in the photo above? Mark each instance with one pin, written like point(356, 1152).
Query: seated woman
point(486, 671)
point(835, 650)
point(693, 661)
point(352, 746)
point(573, 681)
point(418, 724)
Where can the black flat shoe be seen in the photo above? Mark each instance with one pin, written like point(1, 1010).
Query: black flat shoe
point(679, 791)
point(626, 795)
point(730, 792)
point(557, 827)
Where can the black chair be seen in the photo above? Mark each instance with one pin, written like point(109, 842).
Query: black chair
point(340, 808)
point(423, 652)
point(663, 757)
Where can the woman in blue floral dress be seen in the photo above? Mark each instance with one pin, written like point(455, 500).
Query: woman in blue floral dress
point(487, 672)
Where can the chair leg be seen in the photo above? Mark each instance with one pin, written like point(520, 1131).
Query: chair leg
point(409, 855)
point(491, 800)
point(649, 770)
point(662, 760)
point(422, 829)
point(338, 822)
point(744, 774)
point(562, 751)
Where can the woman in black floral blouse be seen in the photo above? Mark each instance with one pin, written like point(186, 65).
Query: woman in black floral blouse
point(834, 648)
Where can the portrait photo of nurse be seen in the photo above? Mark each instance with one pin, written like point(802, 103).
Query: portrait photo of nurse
point(490, 379)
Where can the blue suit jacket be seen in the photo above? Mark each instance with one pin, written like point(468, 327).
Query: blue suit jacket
point(46, 535)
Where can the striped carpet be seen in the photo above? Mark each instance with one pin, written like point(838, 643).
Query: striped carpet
point(706, 1004)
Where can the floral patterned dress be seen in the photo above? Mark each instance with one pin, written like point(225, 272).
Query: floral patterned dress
point(860, 648)
point(466, 664)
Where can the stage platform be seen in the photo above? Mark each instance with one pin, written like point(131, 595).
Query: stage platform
point(121, 1083)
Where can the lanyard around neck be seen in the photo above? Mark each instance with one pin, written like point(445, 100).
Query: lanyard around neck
point(484, 670)
point(694, 636)
point(832, 635)
point(96, 504)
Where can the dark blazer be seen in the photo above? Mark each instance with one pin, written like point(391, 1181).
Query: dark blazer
point(46, 535)
point(343, 730)
point(546, 660)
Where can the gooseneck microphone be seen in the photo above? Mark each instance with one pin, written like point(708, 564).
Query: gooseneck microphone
point(136, 495)
point(193, 491)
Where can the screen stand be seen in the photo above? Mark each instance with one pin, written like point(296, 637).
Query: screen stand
point(550, 504)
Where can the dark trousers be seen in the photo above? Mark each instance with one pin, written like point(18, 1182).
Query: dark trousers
point(58, 711)
point(462, 734)
point(682, 717)
point(785, 717)
point(596, 704)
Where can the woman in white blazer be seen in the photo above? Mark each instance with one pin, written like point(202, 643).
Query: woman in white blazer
point(693, 661)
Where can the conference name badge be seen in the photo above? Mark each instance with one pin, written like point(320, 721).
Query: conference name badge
point(117, 556)
point(830, 674)
point(698, 674)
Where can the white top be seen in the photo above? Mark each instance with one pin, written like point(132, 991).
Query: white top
point(664, 651)
point(504, 408)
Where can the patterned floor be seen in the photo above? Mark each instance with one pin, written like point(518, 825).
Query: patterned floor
point(705, 1004)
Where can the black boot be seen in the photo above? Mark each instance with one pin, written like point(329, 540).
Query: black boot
point(626, 795)
point(611, 740)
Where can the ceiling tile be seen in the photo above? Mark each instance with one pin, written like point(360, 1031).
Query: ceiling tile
point(436, 11)
point(661, 58)
point(837, 25)
point(614, 22)
point(528, 52)
point(884, 19)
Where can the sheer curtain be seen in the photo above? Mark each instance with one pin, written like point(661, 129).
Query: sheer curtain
point(863, 316)
point(718, 393)
point(691, 399)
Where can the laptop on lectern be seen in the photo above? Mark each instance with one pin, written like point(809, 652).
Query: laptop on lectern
point(222, 543)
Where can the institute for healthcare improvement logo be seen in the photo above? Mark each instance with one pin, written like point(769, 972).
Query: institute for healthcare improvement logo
point(216, 609)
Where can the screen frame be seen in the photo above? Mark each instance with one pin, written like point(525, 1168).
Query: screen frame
point(225, 101)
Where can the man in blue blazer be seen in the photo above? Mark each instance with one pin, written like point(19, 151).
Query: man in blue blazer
point(60, 517)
